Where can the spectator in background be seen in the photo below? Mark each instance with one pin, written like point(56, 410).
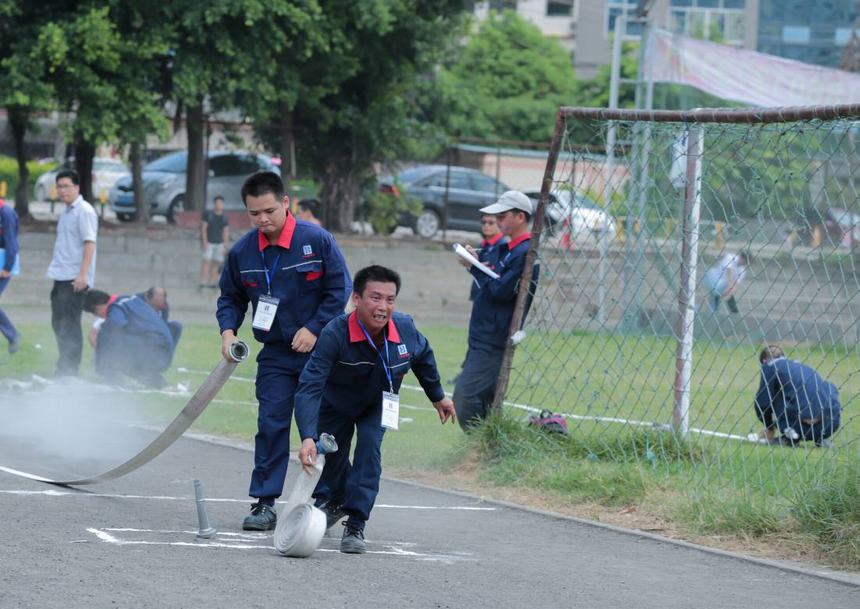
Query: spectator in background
point(73, 269)
point(794, 402)
point(309, 210)
point(215, 236)
point(8, 267)
point(723, 279)
point(133, 340)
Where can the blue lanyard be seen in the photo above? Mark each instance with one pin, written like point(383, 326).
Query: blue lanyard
point(383, 359)
point(266, 269)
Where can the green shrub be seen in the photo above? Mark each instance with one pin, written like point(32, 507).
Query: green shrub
point(382, 210)
point(9, 173)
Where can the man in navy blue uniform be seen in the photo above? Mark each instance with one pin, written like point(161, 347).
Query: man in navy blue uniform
point(133, 341)
point(492, 242)
point(493, 309)
point(296, 280)
point(794, 402)
point(349, 387)
point(9, 245)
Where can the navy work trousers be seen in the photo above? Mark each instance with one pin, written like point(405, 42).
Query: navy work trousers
point(476, 385)
point(6, 328)
point(352, 485)
point(66, 308)
point(276, 389)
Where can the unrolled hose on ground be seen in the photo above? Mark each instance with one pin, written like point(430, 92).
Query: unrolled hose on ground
point(195, 406)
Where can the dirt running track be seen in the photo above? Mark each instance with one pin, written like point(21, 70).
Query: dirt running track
point(131, 543)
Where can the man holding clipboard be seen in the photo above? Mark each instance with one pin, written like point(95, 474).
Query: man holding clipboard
point(493, 308)
point(9, 266)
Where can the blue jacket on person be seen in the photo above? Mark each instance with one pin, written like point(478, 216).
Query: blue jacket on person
point(790, 392)
point(8, 234)
point(493, 310)
point(346, 373)
point(490, 251)
point(133, 338)
point(308, 275)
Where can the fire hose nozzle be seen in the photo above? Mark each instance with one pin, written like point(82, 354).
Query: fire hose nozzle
point(238, 351)
point(326, 444)
point(205, 530)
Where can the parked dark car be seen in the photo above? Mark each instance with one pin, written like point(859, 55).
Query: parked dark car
point(468, 191)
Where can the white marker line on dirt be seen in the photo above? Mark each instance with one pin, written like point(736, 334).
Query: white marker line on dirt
point(53, 493)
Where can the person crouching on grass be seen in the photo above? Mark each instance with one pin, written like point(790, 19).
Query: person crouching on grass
point(349, 387)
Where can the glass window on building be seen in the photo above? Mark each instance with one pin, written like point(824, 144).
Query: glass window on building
point(722, 20)
point(559, 8)
point(616, 8)
point(795, 34)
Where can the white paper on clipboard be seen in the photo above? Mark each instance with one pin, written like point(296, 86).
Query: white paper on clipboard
point(463, 253)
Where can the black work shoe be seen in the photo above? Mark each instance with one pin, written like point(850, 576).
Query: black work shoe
point(352, 541)
point(262, 518)
point(333, 512)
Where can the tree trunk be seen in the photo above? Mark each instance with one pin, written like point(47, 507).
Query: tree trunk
point(18, 124)
point(195, 183)
point(340, 194)
point(140, 206)
point(84, 154)
point(287, 146)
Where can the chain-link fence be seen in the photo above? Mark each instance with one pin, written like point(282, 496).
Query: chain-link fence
point(673, 247)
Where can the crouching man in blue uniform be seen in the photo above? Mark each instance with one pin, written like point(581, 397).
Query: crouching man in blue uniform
point(296, 280)
point(794, 402)
point(349, 387)
point(493, 309)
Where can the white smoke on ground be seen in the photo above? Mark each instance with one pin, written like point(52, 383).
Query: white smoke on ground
point(70, 426)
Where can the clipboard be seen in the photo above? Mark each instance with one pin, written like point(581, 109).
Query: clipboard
point(463, 253)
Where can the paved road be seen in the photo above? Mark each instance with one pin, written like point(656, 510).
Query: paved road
point(131, 543)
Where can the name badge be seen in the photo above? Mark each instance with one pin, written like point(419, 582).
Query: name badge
point(390, 410)
point(267, 307)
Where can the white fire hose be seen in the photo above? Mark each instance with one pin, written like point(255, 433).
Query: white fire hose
point(301, 527)
point(195, 406)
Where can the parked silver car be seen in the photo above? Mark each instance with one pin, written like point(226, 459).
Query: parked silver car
point(164, 182)
point(106, 172)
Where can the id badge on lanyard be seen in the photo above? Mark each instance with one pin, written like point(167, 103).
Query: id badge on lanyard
point(267, 305)
point(390, 410)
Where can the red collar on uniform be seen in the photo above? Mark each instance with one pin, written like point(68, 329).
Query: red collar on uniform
point(515, 242)
point(492, 240)
point(284, 239)
point(356, 335)
point(112, 299)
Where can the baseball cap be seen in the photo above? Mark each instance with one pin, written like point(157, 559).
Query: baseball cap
point(512, 199)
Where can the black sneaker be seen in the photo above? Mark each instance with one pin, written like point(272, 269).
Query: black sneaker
point(352, 541)
point(262, 518)
point(333, 512)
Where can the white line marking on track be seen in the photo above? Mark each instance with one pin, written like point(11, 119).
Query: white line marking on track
point(83, 495)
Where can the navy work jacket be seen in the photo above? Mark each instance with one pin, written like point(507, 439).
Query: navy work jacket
point(307, 272)
point(8, 234)
point(790, 391)
point(345, 372)
point(134, 331)
point(490, 323)
point(489, 255)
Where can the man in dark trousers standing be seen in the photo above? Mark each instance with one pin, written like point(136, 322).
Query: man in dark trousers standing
point(9, 266)
point(73, 269)
point(493, 309)
point(350, 386)
point(296, 280)
point(794, 402)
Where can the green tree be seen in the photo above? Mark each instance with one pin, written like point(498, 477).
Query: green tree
point(507, 82)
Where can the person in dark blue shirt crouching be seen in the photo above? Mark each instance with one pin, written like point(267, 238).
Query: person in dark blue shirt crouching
point(350, 387)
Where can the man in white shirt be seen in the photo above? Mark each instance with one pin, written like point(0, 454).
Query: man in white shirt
point(73, 269)
point(723, 279)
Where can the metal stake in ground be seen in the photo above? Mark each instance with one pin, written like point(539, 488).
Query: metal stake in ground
point(204, 529)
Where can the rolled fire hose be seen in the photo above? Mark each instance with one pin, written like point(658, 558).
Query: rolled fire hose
point(301, 528)
point(195, 406)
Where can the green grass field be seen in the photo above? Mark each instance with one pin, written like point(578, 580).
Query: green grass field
point(706, 485)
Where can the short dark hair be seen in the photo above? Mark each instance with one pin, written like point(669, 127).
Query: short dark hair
point(218, 198)
point(262, 183)
point(94, 298)
point(148, 295)
point(312, 205)
point(770, 352)
point(68, 173)
point(374, 272)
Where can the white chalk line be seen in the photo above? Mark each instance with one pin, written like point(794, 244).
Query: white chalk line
point(56, 493)
point(392, 549)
